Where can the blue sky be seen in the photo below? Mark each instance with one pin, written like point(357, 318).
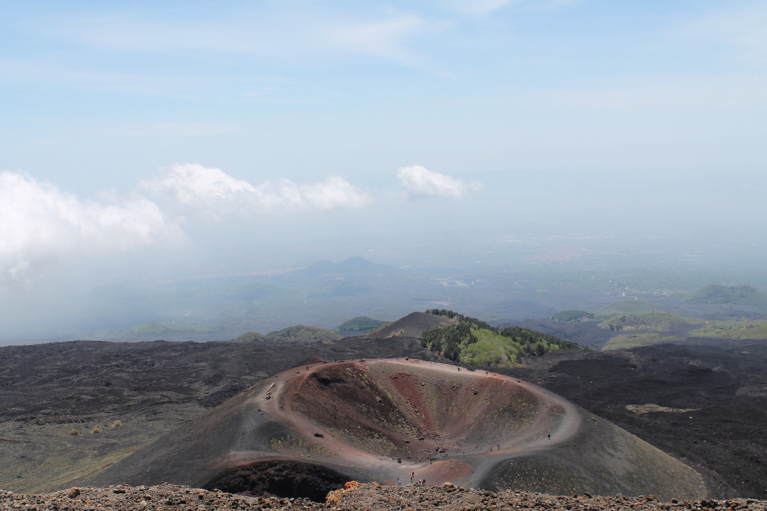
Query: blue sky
point(131, 126)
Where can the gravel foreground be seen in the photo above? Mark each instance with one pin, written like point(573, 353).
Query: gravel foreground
point(355, 497)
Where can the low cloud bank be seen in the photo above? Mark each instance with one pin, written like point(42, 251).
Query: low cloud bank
point(41, 224)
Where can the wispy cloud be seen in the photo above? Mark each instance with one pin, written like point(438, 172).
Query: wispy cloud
point(268, 34)
point(389, 38)
point(423, 182)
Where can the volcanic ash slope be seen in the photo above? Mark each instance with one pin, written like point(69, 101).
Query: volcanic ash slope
point(312, 428)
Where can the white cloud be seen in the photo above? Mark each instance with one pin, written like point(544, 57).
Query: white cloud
point(40, 223)
point(215, 193)
point(192, 184)
point(423, 182)
point(334, 193)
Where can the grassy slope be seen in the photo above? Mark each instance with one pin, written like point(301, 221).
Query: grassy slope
point(474, 342)
point(743, 329)
point(490, 349)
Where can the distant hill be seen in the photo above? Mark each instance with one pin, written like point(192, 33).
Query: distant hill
point(251, 337)
point(351, 266)
point(742, 329)
point(412, 325)
point(627, 307)
point(303, 333)
point(572, 315)
point(360, 323)
point(154, 328)
point(474, 342)
point(653, 321)
point(292, 333)
point(735, 295)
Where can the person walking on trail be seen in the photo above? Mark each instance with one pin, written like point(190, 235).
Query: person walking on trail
point(399, 483)
point(412, 476)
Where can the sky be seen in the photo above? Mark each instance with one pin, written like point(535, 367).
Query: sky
point(198, 136)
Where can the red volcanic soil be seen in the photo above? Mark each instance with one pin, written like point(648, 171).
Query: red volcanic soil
point(392, 417)
point(416, 411)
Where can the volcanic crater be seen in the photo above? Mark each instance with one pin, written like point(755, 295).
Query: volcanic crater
point(417, 411)
point(393, 420)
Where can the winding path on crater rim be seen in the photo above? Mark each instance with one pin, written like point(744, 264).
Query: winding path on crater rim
point(304, 400)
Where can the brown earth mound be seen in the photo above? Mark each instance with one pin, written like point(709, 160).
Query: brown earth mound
point(412, 325)
point(393, 419)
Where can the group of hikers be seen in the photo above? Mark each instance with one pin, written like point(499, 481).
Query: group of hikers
point(421, 482)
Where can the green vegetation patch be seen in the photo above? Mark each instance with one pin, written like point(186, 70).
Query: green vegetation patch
point(655, 321)
point(292, 333)
point(302, 333)
point(572, 315)
point(474, 342)
point(739, 329)
point(719, 294)
point(251, 337)
point(360, 323)
point(625, 341)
